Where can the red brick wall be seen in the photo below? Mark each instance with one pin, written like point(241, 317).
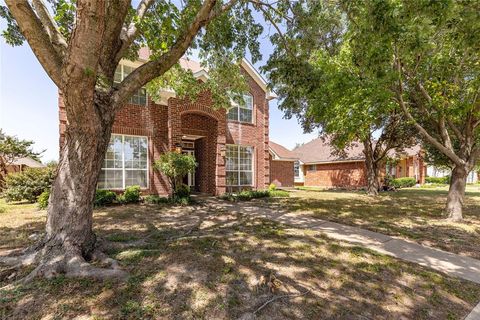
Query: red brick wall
point(345, 175)
point(165, 125)
point(281, 173)
point(254, 135)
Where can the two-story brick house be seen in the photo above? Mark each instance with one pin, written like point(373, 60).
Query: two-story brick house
point(230, 147)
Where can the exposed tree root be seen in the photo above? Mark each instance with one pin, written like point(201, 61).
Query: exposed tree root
point(52, 261)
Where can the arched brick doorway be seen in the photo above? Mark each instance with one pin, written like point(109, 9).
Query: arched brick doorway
point(199, 133)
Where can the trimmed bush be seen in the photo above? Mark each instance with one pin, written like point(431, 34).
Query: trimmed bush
point(438, 180)
point(183, 191)
point(405, 182)
point(154, 199)
point(104, 198)
point(246, 195)
point(130, 195)
point(28, 185)
point(42, 199)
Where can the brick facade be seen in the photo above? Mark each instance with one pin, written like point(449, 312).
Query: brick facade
point(341, 174)
point(281, 173)
point(165, 125)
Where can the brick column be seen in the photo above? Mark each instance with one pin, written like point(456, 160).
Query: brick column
point(174, 124)
point(221, 149)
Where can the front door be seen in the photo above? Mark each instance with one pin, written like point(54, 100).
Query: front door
point(189, 180)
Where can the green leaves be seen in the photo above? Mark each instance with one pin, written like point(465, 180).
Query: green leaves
point(12, 33)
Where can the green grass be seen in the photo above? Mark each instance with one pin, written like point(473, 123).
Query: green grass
point(411, 213)
point(222, 269)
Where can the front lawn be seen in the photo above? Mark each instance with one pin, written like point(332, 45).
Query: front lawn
point(205, 262)
point(414, 213)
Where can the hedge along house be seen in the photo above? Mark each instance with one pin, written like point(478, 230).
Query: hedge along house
point(282, 165)
point(230, 147)
point(320, 166)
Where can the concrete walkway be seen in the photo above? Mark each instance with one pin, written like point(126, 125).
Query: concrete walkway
point(449, 263)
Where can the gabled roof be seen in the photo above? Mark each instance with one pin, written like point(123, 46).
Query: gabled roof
point(280, 152)
point(321, 151)
point(201, 72)
point(29, 162)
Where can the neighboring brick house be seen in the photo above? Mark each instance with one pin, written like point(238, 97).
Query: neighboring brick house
point(231, 147)
point(282, 166)
point(320, 166)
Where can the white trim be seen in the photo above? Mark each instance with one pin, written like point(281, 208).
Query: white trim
point(123, 162)
point(254, 180)
point(330, 162)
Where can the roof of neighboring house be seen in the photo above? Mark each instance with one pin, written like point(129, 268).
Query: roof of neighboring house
point(280, 152)
point(320, 150)
point(29, 162)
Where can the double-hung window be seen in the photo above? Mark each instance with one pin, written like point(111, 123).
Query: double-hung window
point(239, 166)
point(242, 112)
point(125, 164)
point(140, 96)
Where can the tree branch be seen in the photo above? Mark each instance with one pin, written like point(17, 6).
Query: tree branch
point(129, 34)
point(448, 152)
point(38, 39)
point(159, 66)
point(56, 37)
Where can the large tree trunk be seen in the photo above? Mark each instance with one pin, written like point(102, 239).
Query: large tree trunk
point(456, 193)
point(373, 182)
point(70, 243)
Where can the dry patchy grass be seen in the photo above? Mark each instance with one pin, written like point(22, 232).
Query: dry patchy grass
point(209, 262)
point(415, 214)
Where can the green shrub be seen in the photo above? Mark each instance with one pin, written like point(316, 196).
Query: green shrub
point(3, 208)
point(130, 195)
point(28, 185)
point(438, 180)
point(104, 198)
point(182, 191)
point(183, 201)
point(175, 166)
point(154, 199)
point(405, 182)
point(42, 199)
point(246, 195)
point(272, 187)
point(279, 194)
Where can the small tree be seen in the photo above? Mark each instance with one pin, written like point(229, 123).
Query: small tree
point(175, 166)
point(11, 149)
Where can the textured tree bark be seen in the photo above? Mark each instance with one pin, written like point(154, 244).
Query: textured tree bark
point(373, 183)
point(456, 193)
point(70, 242)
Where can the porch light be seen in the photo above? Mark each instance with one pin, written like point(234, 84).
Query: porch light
point(178, 148)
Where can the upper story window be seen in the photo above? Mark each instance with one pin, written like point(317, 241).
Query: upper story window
point(140, 96)
point(242, 112)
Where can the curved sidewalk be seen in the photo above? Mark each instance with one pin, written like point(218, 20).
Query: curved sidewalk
point(452, 264)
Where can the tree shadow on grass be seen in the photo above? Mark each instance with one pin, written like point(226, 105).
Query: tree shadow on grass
point(217, 263)
point(412, 214)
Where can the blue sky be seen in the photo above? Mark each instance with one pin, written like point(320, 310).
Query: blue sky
point(29, 109)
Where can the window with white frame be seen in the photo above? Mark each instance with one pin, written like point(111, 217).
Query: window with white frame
point(242, 112)
point(239, 166)
point(125, 164)
point(140, 96)
point(312, 167)
point(296, 169)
